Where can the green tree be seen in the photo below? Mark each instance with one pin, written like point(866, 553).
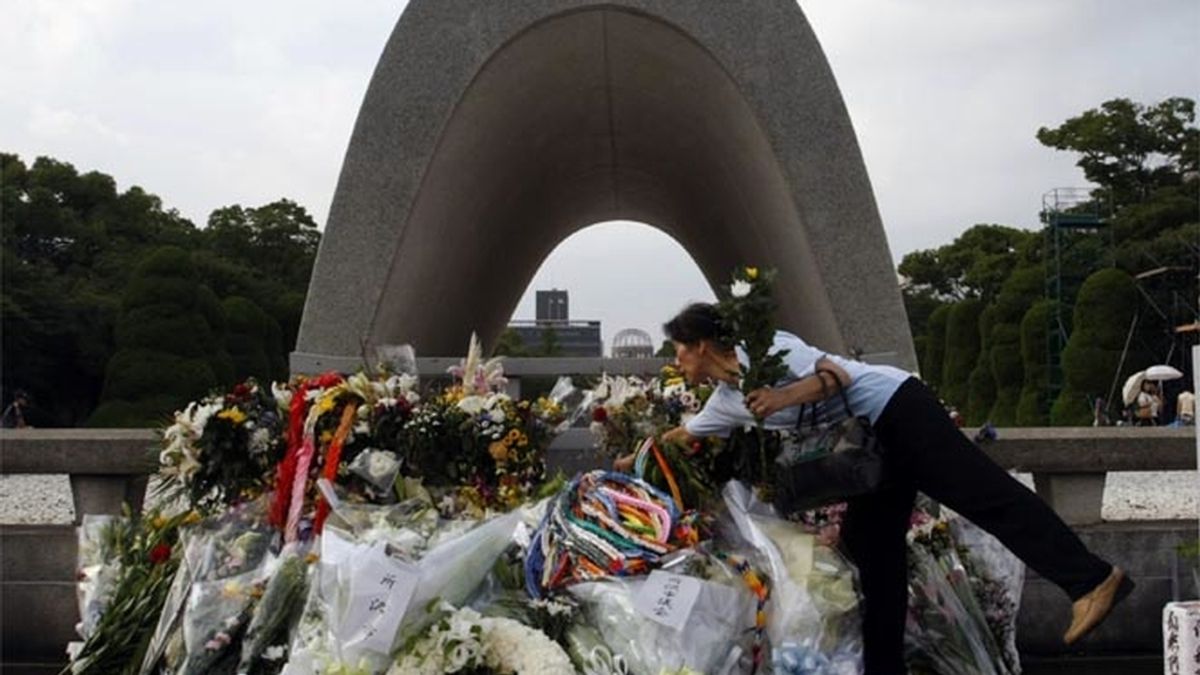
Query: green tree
point(246, 339)
point(69, 243)
point(919, 305)
point(962, 351)
point(981, 385)
point(509, 344)
point(975, 265)
point(549, 346)
point(279, 239)
point(1033, 408)
point(934, 355)
point(1104, 311)
point(164, 345)
point(1129, 149)
point(667, 350)
point(1018, 294)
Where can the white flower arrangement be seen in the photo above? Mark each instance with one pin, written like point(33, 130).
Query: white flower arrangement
point(180, 457)
point(465, 639)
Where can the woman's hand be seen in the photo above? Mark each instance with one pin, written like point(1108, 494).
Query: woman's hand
point(765, 401)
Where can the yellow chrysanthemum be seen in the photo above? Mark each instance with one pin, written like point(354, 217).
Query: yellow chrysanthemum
point(233, 415)
point(751, 273)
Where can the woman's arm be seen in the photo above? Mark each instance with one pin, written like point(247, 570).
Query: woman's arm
point(677, 435)
point(769, 400)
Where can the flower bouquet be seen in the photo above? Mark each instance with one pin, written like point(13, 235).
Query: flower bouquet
point(220, 450)
point(948, 631)
point(464, 641)
point(815, 619)
point(140, 556)
point(382, 570)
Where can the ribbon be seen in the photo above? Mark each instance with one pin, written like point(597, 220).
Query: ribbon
point(299, 481)
point(333, 457)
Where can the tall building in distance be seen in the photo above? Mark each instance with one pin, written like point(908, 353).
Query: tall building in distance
point(553, 333)
point(552, 305)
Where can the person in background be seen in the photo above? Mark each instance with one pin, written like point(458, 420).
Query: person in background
point(1185, 409)
point(14, 414)
point(1149, 402)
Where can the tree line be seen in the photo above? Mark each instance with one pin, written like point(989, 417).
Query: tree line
point(117, 311)
point(983, 309)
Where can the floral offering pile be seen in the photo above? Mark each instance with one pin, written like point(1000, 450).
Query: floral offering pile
point(366, 524)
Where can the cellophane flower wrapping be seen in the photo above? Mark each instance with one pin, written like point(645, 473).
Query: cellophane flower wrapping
point(715, 628)
point(948, 628)
point(265, 645)
point(813, 618)
point(226, 561)
point(99, 567)
point(350, 619)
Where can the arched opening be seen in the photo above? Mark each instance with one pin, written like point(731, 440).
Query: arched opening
point(589, 116)
point(491, 132)
point(621, 273)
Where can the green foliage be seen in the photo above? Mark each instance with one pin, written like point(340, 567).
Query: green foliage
point(934, 355)
point(667, 350)
point(509, 344)
point(748, 314)
point(1033, 408)
point(549, 345)
point(70, 242)
point(919, 305)
point(1016, 297)
point(962, 350)
point(981, 385)
point(1130, 149)
point(246, 339)
point(975, 265)
point(1104, 311)
point(163, 342)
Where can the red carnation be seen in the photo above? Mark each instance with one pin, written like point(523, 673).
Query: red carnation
point(600, 415)
point(160, 554)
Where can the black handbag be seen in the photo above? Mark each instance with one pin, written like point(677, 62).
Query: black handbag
point(824, 462)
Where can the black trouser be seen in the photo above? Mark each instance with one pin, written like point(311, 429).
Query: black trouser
point(924, 451)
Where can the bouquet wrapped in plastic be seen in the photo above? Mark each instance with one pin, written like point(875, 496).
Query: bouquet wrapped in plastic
point(381, 569)
point(813, 626)
point(948, 628)
point(662, 622)
point(227, 559)
point(127, 564)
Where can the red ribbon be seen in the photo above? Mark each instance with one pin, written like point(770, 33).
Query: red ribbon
point(285, 475)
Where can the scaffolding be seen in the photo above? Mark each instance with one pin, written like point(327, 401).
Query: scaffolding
point(1070, 216)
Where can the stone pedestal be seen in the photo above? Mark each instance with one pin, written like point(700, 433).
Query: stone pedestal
point(101, 493)
point(1076, 497)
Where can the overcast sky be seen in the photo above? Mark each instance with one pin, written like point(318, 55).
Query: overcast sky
point(215, 103)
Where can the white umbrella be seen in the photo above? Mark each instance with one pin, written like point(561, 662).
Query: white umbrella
point(1162, 373)
point(1132, 386)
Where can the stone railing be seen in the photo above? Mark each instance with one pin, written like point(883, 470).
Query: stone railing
point(1069, 464)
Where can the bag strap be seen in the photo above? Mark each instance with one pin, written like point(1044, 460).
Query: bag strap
point(840, 388)
point(812, 407)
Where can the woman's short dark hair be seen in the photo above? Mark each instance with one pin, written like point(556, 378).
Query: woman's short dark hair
point(698, 321)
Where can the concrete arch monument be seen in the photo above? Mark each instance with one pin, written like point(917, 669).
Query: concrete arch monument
point(491, 131)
